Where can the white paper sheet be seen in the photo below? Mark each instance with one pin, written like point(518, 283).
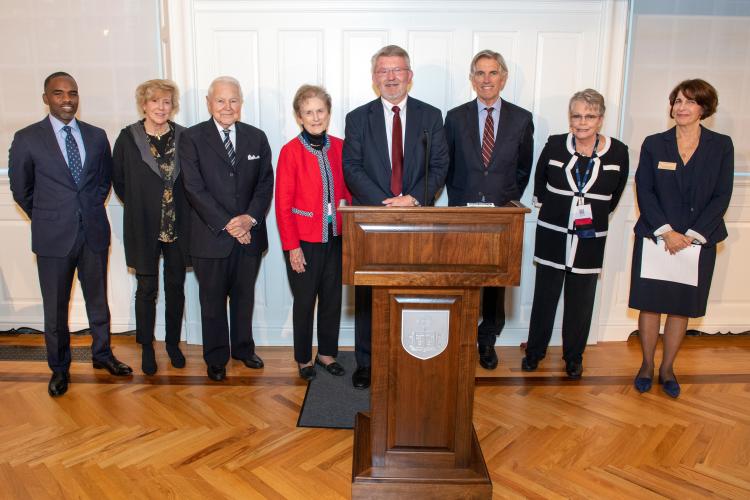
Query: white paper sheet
point(659, 264)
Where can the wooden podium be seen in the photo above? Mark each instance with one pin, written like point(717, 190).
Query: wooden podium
point(426, 267)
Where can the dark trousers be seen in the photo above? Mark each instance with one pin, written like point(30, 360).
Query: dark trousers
point(232, 277)
point(578, 306)
point(493, 315)
point(56, 280)
point(174, 297)
point(321, 281)
point(362, 324)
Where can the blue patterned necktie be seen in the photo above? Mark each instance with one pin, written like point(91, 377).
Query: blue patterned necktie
point(230, 149)
point(74, 156)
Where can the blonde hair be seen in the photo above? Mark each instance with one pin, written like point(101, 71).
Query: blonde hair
point(147, 89)
point(590, 98)
point(306, 92)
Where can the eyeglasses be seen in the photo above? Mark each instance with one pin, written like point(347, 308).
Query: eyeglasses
point(396, 71)
point(580, 118)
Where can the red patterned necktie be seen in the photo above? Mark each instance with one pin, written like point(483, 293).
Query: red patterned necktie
point(397, 154)
point(488, 137)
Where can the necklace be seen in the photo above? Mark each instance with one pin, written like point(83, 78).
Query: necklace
point(158, 134)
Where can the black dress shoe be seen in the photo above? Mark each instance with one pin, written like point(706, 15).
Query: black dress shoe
point(307, 372)
point(361, 377)
point(216, 373)
point(574, 369)
point(487, 357)
point(529, 363)
point(114, 366)
point(58, 384)
point(333, 368)
point(148, 359)
point(175, 355)
point(252, 361)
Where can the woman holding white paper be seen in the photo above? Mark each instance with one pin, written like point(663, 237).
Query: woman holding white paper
point(579, 179)
point(684, 184)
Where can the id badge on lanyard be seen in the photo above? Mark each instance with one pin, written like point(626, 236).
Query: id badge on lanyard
point(583, 218)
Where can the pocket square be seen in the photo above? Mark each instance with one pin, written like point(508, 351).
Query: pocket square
point(253, 157)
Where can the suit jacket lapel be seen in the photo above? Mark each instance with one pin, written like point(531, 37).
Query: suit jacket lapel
point(141, 141)
point(213, 139)
point(501, 138)
point(472, 128)
point(48, 136)
point(377, 126)
point(412, 140)
point(673, 155)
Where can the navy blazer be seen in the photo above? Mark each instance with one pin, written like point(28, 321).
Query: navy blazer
point(218, 192)
point(507, 174)
point(44, 188)
point(367, 164)
point(684, 201)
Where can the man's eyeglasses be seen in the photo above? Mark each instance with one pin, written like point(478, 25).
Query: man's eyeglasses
point(395, 71)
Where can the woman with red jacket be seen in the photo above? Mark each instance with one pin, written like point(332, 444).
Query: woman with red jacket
point(309, 189)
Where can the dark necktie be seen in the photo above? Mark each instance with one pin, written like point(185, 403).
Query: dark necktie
point(74, 155)
point(397, 154)
point(488, 137)
point(230, 149)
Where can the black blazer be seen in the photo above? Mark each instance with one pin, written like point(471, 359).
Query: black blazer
point(367, 165)
point(685, 200)
point(138, 183)
point(218, 192)
point(44, 188)
point(507, 174)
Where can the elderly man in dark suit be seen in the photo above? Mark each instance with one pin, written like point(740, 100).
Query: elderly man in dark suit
point(384, 157)
point(60, 173)
point(491, 145)
point(228, 180)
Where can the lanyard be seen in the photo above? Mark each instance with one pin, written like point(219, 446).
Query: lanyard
point(589, 167)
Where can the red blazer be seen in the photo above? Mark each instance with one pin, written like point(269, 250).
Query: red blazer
point(299, 192)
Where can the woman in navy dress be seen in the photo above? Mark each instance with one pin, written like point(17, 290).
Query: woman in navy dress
point(684, 184)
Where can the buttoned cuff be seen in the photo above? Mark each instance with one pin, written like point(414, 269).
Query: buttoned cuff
point(664, 229)
point(695, 236)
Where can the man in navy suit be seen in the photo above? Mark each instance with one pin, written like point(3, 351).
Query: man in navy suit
point(229, 183)
point(60, 170)
point(384, 157)
point(491, 147)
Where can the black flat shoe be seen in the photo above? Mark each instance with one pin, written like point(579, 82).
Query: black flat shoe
point(175, 355)
point(333, 368)
point(216, 373)
point(58, 384)
point(307, 373)
point(529, 364)
point(253, 361)
point(670, 387)
point(488, 357)
point(114, 366)
point(643, 384)
point(574, 369)
point(148, 359)
point(361, 377)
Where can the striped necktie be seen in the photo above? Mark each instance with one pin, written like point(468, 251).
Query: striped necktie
point(488, 137)
point(230, 149)
point(397, 154)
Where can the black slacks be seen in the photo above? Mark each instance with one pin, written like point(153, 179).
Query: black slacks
point(578, 306)
point(493, 315)
point(362, 324)
point(174, 297)
point(232, 277)
point(321, 281)
point(55, 281)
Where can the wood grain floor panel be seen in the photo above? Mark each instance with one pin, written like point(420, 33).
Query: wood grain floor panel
point(179, 435)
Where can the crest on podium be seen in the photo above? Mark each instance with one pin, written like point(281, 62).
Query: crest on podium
point(424, 333)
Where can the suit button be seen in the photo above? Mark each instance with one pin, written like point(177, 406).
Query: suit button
point(485, 173)
point(231, 174)
point(481, 194)
point(691, 209)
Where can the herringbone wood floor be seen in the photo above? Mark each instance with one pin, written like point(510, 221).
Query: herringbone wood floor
point(176, 435)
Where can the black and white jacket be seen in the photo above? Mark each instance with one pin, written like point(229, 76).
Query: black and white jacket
point(555, 191)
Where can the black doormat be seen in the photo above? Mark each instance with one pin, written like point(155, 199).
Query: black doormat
point(332, 402)
point(25, 330)
point(39, 353)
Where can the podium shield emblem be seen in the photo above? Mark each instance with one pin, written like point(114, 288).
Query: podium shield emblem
point(424, 333)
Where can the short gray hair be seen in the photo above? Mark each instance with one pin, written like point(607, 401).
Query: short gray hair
point(230, 80)
point(306, 92)
point(489, 54)
point(590, 98)
point(390, 51)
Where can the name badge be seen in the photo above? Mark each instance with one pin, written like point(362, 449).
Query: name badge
point(667, 165)
point(582, 212)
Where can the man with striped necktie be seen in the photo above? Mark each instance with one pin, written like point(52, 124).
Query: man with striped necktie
point(491, 148)
point(229, 183)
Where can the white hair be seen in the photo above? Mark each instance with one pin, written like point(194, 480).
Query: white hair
point(229, 80)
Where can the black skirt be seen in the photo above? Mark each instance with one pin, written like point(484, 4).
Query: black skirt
point(667, 297)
